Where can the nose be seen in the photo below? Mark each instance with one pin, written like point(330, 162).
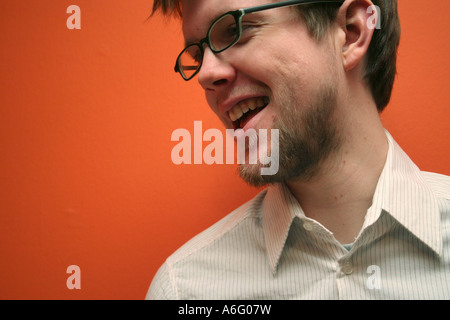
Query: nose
point(215, 72)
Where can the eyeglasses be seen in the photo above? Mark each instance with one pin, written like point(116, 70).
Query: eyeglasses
point(225, 32)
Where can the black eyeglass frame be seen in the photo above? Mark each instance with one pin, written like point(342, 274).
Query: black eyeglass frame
point(238, 15)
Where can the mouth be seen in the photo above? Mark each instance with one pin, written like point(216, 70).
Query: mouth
point(245, 110)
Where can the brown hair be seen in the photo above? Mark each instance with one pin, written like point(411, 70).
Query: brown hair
point(381, 66)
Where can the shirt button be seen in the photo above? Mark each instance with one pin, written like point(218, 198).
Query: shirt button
point(308, 226)
point(347, 268)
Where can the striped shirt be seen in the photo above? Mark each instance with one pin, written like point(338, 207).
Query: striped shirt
point(269, 249)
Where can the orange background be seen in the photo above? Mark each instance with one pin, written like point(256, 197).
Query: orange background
point(86, 118)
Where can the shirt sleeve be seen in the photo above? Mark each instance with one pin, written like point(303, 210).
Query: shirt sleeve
point(162, 287)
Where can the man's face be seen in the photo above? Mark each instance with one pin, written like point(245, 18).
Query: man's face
point(279, 70)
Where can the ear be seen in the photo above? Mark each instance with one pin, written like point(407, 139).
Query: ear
point(356, 23)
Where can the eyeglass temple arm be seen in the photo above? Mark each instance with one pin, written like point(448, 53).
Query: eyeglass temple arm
point(285, 4)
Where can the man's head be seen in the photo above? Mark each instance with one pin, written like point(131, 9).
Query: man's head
point(382, 53)
point(296, 67)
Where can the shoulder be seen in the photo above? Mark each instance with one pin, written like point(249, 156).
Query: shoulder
point(163, 285)
point(220, 229)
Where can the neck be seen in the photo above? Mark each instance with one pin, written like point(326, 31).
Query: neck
point(340, 194)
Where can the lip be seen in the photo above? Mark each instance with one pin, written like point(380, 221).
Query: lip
point(230, 103)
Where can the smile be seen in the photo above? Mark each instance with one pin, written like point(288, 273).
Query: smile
point(241, 113)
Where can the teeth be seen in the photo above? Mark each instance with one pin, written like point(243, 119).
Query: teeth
point(251, 104)
point(236, 113)
point(245, 106)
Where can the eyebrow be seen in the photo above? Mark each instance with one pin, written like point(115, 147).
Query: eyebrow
point(190, 41)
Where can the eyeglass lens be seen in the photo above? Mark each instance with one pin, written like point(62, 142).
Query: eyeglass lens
point(222, 34)
point(190, 60)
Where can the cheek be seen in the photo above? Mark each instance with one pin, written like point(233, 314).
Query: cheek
point(300, 75)
point(212, 101)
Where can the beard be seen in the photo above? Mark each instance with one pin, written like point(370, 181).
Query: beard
point(307, 136)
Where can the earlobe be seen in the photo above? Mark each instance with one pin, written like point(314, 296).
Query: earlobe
point(353, 17)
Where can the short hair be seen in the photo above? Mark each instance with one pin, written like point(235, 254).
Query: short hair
point(381, 62)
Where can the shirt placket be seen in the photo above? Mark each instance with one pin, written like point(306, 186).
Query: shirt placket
point(337, 256)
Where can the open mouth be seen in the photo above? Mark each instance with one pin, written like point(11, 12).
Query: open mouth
point(245, 110)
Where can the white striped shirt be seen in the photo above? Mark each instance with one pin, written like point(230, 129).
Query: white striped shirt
point(269, 249)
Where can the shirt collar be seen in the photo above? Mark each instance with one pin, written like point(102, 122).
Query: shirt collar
point(279, 210)
point(401, 192)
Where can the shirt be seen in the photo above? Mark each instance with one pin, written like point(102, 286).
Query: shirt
point(269, 249)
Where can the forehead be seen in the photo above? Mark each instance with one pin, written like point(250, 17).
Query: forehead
point(199, 14)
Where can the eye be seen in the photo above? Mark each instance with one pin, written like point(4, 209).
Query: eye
point(231, 31)
point(247, 31)
point(247, 27)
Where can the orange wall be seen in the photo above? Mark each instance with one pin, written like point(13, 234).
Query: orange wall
point(86, 118)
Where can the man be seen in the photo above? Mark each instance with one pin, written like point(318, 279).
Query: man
point(347, 215)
